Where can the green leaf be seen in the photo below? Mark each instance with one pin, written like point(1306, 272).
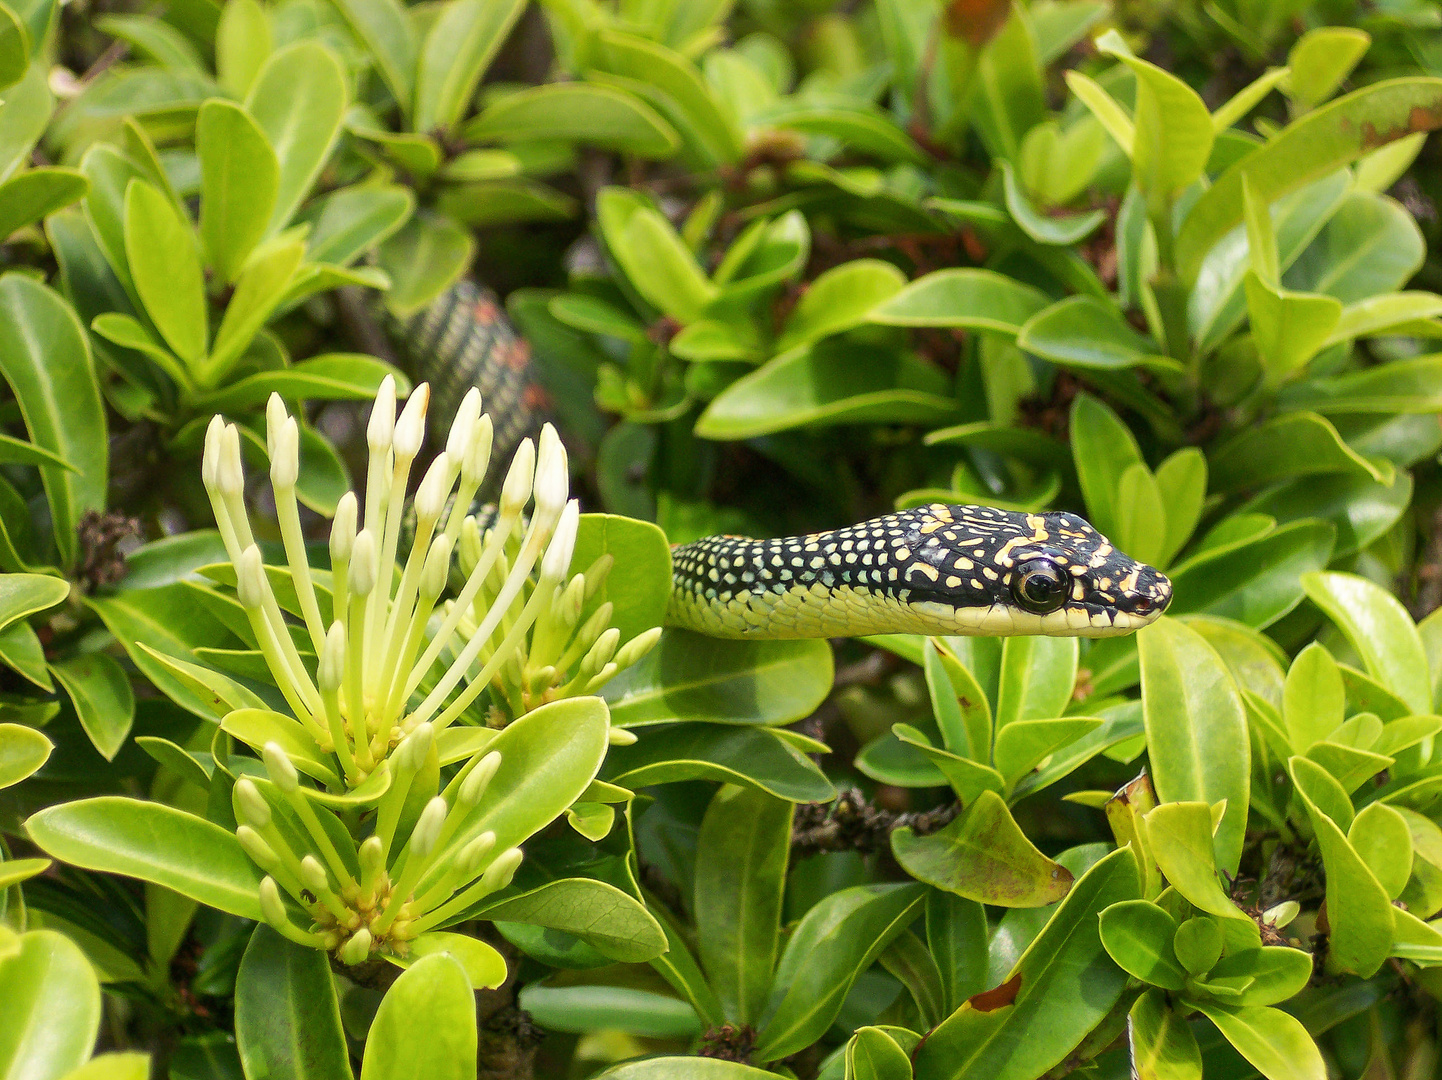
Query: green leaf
point(165, 265)
point(243, 41)
point(1381, 838)
point(424, 259)
point(1321, 59)
point(959, 704)
point(1379, 314)
point(21, 452)
point(1288, 327)
point(756, 757)
point(828, 383)
point(239, 179)
point(908, 960)
point(1196, 729)
point(22, 595)
point(45, 358)
point(1198, 943)
point(578, 112)
point(983, 855)
point(36, 194)
point(100, 691)
point(1083, 332)
point(1313, 698)
point(437, 988)
point(1064, 976)
point(1104, 107)
point(690, 677)
point(962, 298)
point(287, 1019)
point(1403, 386)
point(741, 855)
point(1359, 911)
point(840, 299)
point(483, 964)
point(155, 40)
point(457, 50)
point(332, 377)
point(1256, 582)
point(956, 934)
point(1044, 229)
point(1294, 444)
point(1370, 245)
point(155, 843)
point(387, 32)
point(1179, 837)
point(1138, 935)
point(1381, 631)
point(298, 100)
point(1024, 744)
point(1104, 448)
point(653, 256)
point(685, 1068)
point(1163, 1046)
point(1173, 132)
point(22, 751)
point(838, 939)
point(872, 1054)
point(1307, 149)
point(1275, 1042)
point(258, 292)
point(353, 220)
point(601, 915)
point(1007, 97)
point(50, 999)
point(1038, 675)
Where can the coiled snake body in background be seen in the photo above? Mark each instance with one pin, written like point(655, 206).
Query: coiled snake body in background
point(937, 569)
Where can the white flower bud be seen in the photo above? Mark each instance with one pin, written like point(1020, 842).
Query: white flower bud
point(363, 568)
point(275, 418)
point(313, 875)
point(553, 477)
point(382, 426)
point(250, 583)
point(410, 429)
point(463, 427)
point(557, 559)
point(478, 453)
point(331, 670)
point(430, 500)
point(617, 736)
point(356, 949)
point(411, 753)
point(342, 529)
point(479, 778)
point(279, 768)
point(428, 827)
point(499, 874)
point(210, 459)
point(637, 647)
point(271, 905)
point(474, 853)
point(251, 803)
point(604, 649)
point(437, 568)
point(371, 854)
point(285, 456)
point(517, 487)
point(255, 846)
point(230, 471)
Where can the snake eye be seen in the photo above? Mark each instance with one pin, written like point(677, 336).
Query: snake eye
point(1039, 586)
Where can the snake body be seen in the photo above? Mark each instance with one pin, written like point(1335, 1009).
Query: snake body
point(937, 569)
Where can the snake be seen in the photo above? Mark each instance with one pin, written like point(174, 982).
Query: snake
point(939, 569)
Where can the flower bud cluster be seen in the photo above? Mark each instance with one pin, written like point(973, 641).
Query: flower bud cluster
point(571, 648)
point(395, 886)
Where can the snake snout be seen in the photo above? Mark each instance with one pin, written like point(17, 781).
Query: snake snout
point(1149, 596)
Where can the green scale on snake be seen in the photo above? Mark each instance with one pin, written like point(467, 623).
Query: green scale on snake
point(937, 569)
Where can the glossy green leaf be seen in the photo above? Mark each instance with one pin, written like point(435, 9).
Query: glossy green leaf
point(1359, 911)
point(956, 935)
point(1038, 675)
point(1083, 332)
point(1064, 975)
point(455, 54)
point(962, 298)
point(483, 964)
point(1196, 729)
point(1288, 327)
point(50, 999)
point(741, 855)
point(1381, 631)
point(958, 703)
point(332, 377)
point(1295, 444)
point(287, 1020)
point(839, 299)
point(298, 99)
point(729, 753)
point(160, 250)
point(872, 1054)
point(1044, 229)
point(983, 855)
point(837, 939)
point(1173, 132)
point(1179, 837)
point(1256, 582)
point(243, 41)
point(1162, 1044)
point(1104, 448)
point(689, 1068)
point(1318, 143)
point(1403, 386)
point(1024, 744)
point(601, 915)
point(1198, 943)
point(155, 843)
point(353, 220)
point(239, 178)
point(1275, 1042)
point(100, 691)
point(586, 113)
point(1321, 59)
point(261, 287)
point(22, 751)
point(1007, 95)
point(389, 37)
point(423, 259)
point(1138, 935)
point(435, 987)
point(1313, 698)
point(45, 358)
point(37, 193)
point(1381, 838)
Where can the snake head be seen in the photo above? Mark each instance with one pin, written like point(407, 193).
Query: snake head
point(1002, 572)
